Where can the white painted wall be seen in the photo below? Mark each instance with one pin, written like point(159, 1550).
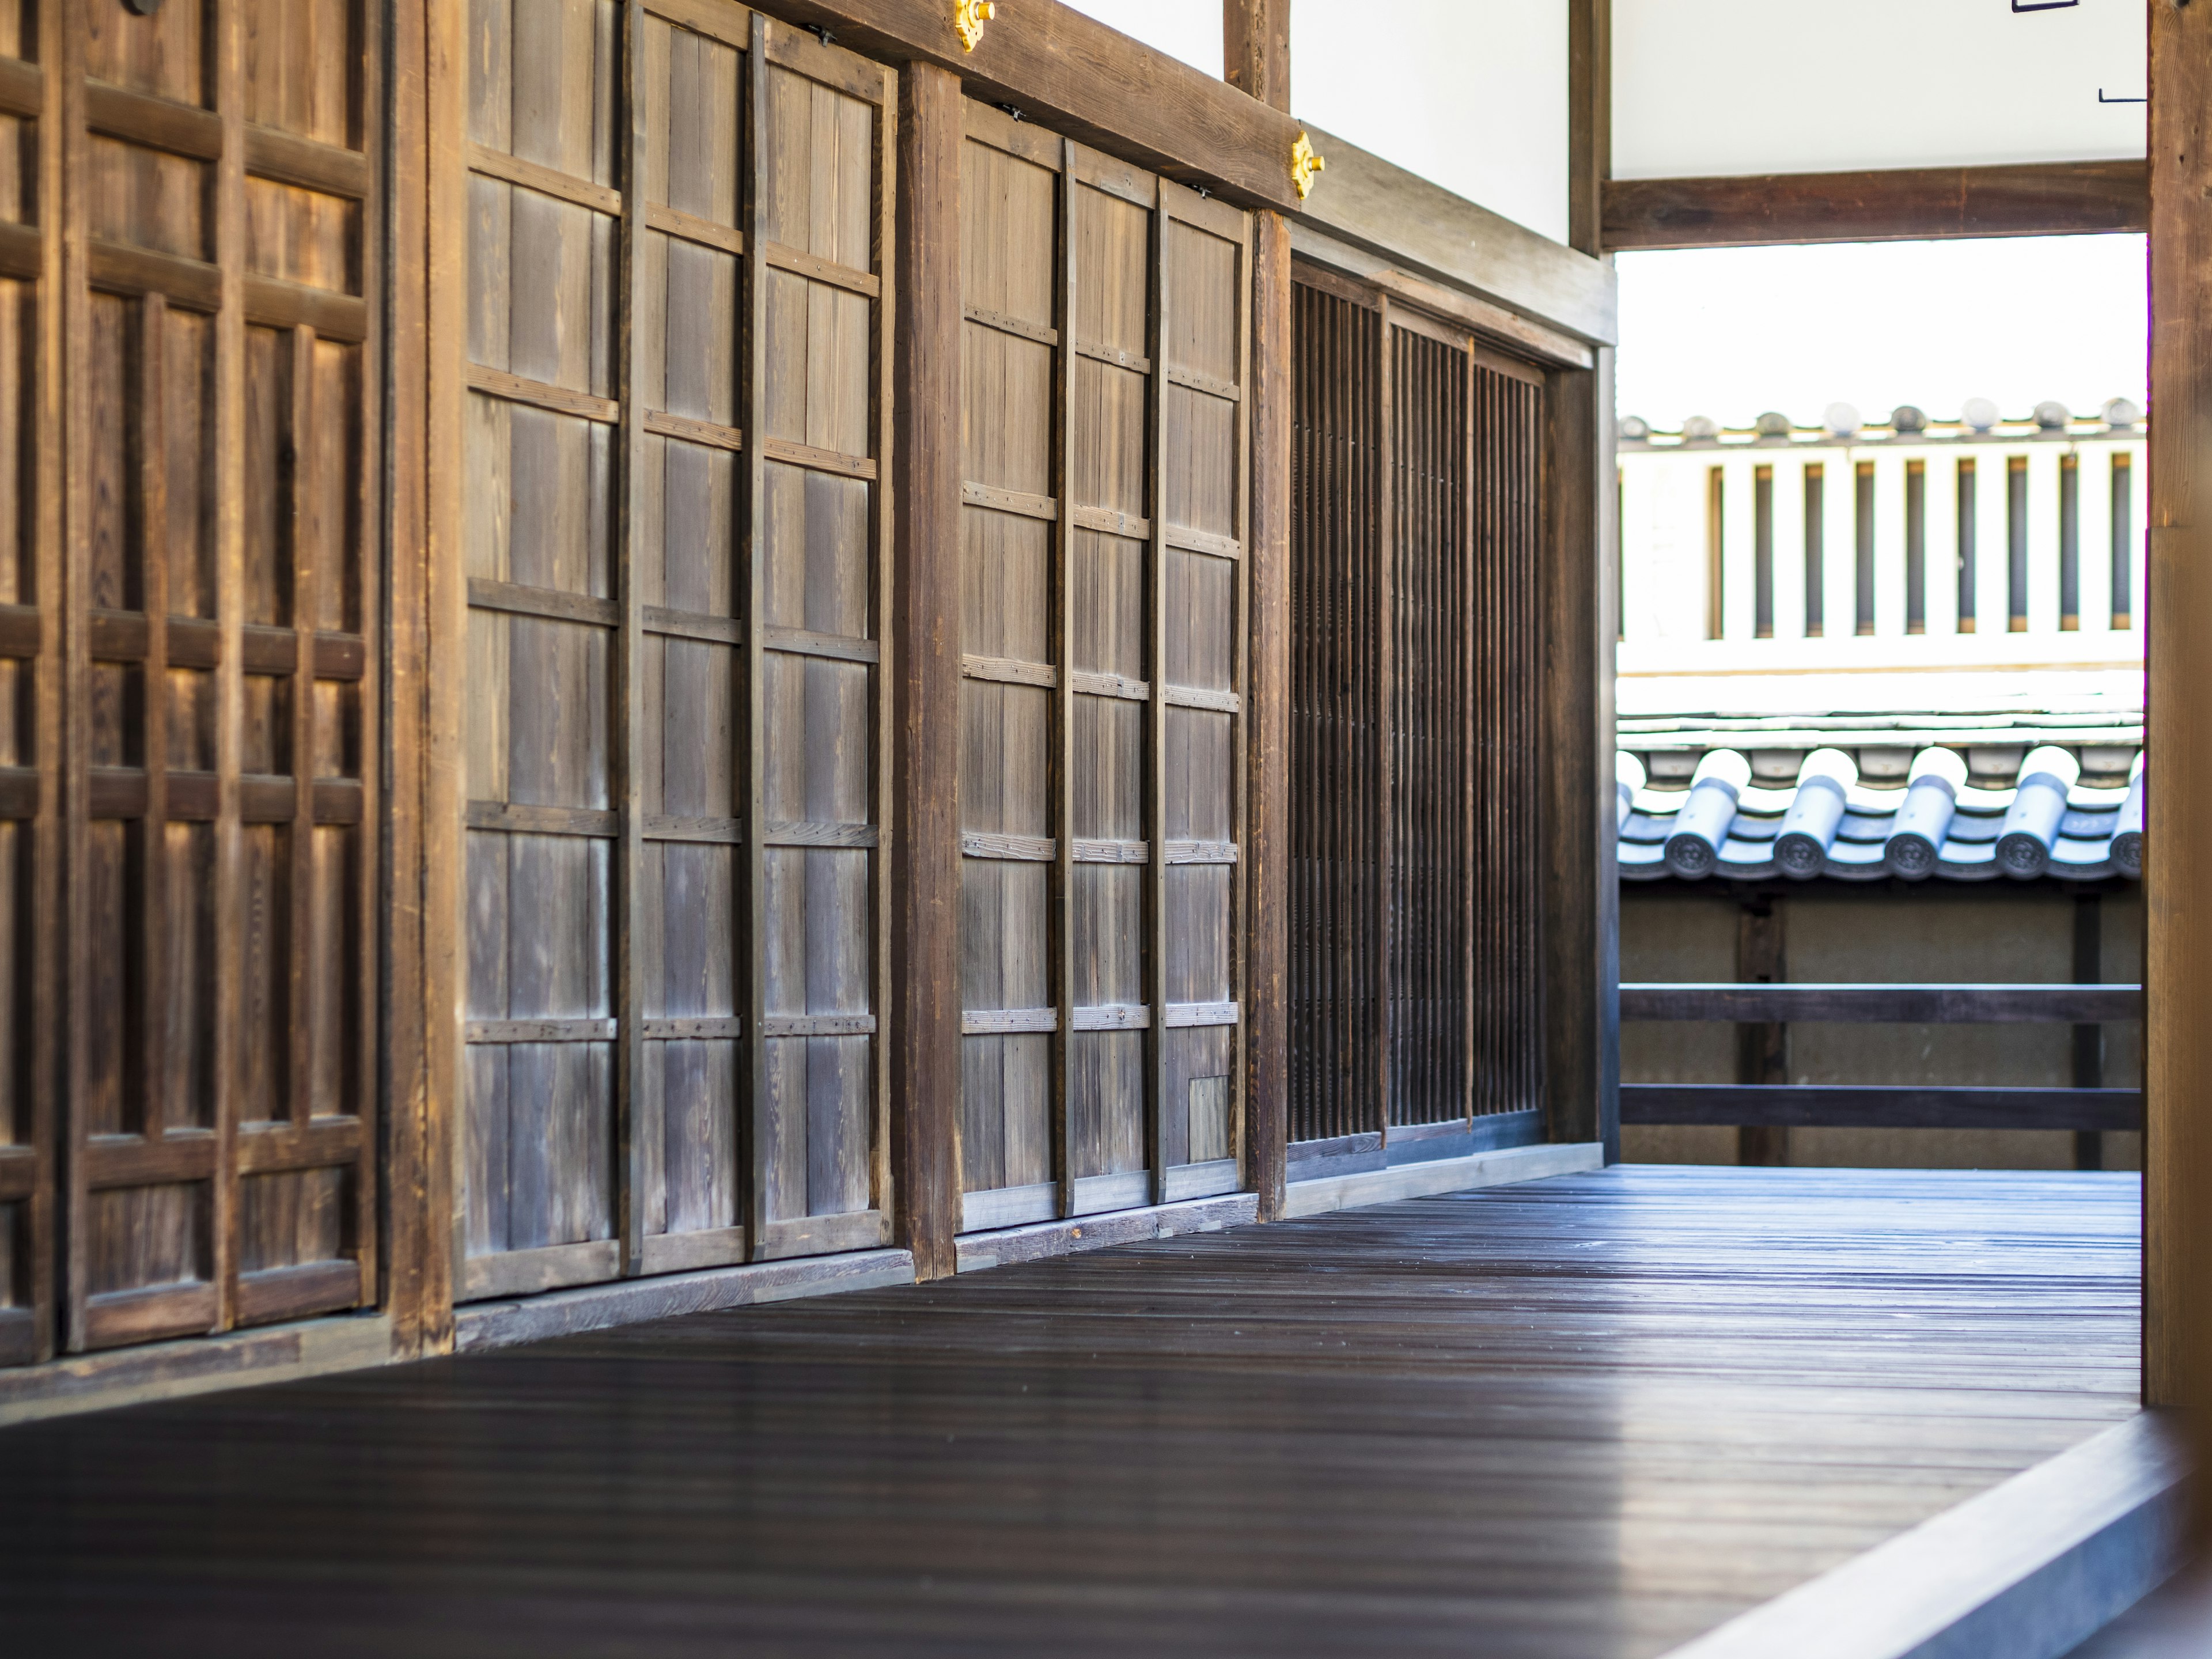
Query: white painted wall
point(1716, 87)
point(1188, 29)
point(1470, 93)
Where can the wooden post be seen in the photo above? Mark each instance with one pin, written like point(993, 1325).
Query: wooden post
point(1589, 121)
point(2177, 978)
point(1581, 948)
point(1256, 57)
point(925, 628)
point(2088, 1039)
point(1762, 1050)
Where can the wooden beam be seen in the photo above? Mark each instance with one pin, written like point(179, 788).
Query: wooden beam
point(1088, 81)
point(2177, 966)
point(1900, 1005)
point(1255, 49)
point(1873, 1106)
point(925, 631)
point(2052, 198)
point(1424, 230)
point(1589, 120)
point(1581, 883)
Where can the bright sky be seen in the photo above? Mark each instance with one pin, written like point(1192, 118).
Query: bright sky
point(1731, 333)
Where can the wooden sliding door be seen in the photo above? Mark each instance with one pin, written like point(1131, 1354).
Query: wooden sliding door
point(1101, 627)
point(190, 582)
point(677, 282)
point(1416, 540)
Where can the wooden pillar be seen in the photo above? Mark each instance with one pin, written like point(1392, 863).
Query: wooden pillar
point(1256, 55)
point(925, 634)
point(1581, 884)
point(1762, 1051)
point(2176, 874)
point(1589, 120)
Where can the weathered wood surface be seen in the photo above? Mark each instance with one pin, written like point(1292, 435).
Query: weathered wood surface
point(2177, 959)
point(1088, 81)
point(1588, 1417)
point(2055, 199)
point(1426, 231)
point(1881, 1106)
point(1902, 1004)
point(1589, 121)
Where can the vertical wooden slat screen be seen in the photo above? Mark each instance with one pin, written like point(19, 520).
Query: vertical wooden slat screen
point(677, 276)
point(1101, 626)
point(188, 599)
point(1416, 542)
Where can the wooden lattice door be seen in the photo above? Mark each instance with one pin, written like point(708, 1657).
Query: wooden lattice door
point(1101, 627)
point(190, 574)
point(677, 281)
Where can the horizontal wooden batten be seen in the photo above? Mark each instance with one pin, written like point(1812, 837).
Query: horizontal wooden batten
point(540, 1030)
point(1043, 333)
point(664, 826)
point(120, 268)
point(1086, 685)
point(1007, 1022)
point(135, 1161)
point(799, 642)
point(22, 87)
point(333, 316)
point(1113, 1017)
point(1009, 1206)
point(1109, 521)
point(1095, 1195)
point(1092, 849)
point(718, 20)
point(289, 159)
point(1204, 541)
point(726, 1027)
point(120, 636)
point(519, 818)
point(1202, 852)
point(1010, 501)
point(818, 460)
point(690, 227)
point(802, 833)
point(1014, 849)
point(119, 1317)
point(662, 424)
point(1800, 1105)
point(20, 251)
point(684, 1253)
point(514, 388)
point(2054, 198)
point(546, 181)
point(1191, 380)
point(548, 1267)
point(1010, 671)
point(19, 792)
point(1190, 697)
point(18, 1173)
point(116, 792)
point(550, 604)
point(1114, 355)
point(160, 123)
point(822, 1235)
point(1901, 1005)
point(799, 262)
point(319, 1143)
point(1190, 1015)
point(691, 625)
point(817, 1025)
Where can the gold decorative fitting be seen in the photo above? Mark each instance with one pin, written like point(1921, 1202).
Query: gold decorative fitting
point(1304, 165)
point(968, 17)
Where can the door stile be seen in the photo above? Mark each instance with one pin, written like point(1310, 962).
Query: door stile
point(153, 483)
point(1060, 759)
point(754, 1138)
point(299, 1103)
point(1384, 626)
point(65, 213)
point(882, 525)
point(1242, 912)
point(1155, 929)
point(1465, 609)
point(629, 649)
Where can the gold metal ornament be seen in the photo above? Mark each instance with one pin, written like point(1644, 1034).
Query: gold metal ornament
point(1305, 164)
point(968, 17)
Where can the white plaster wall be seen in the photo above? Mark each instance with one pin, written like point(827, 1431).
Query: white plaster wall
point(1717, 87)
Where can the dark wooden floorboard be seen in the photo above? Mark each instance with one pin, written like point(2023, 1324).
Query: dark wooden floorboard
point(1589, 1416)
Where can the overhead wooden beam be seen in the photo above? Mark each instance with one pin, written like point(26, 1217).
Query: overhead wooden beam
point(2176, 1036)
point(1256, 53)
point(1874, 1106)
point(1087, 81)
point(925, 628)
point(2056, 198)
point(1589, 120)
point(1255, 49)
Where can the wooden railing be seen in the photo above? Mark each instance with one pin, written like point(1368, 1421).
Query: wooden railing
point(1796, 1105)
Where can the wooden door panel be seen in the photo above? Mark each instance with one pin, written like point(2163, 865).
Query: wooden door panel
point(1077, 793)
point(674, 299)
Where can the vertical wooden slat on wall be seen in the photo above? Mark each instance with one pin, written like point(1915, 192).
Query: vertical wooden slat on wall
point(1102, 594)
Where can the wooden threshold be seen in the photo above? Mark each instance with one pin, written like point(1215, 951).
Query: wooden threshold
point(2030, 1567)
point(1094, 1232)
point(1447, 1174)
point(626, 1302)
point(2054, 198)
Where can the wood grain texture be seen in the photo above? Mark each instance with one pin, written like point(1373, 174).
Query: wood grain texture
point(2053, 198)
point(1811, 1362)
point(1255, 49)
point(2177, 1044)
point(926, 875)
point(1940, 1004)
point(1082, 78)
point(1589, 121)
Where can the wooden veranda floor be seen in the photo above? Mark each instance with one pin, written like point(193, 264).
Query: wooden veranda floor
point(1592, 1415)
